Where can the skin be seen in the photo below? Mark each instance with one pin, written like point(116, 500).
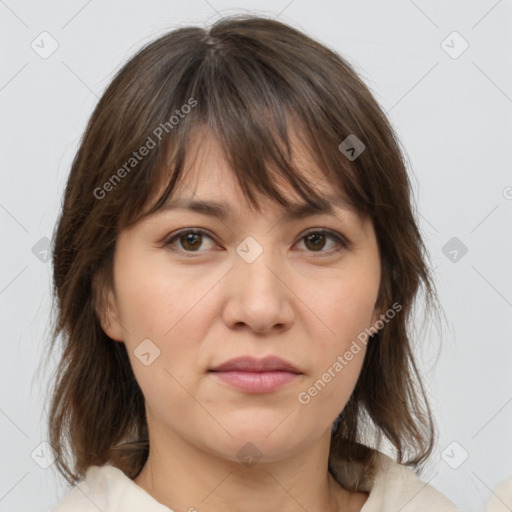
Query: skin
point(208, 305)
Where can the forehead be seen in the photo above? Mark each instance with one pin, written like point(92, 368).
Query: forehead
point(208, 185)
point(207, 173)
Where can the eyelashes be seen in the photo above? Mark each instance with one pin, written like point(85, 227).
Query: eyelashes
point(191, 238)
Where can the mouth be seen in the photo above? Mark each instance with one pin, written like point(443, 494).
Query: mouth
point(255, 382)
point(256, 375)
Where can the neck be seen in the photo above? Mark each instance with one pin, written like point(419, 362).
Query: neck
point(181, 476)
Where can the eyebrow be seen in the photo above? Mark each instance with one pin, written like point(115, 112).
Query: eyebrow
point(293, 212)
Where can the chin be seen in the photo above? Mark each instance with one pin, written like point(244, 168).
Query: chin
point(250, 446)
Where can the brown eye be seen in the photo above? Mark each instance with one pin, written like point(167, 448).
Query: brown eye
point(316, 241)
point(189, 240)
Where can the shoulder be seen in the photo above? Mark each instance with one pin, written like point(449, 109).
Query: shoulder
point(398, 487)
point(501, 499)
point(392, 487)
point(108, 489)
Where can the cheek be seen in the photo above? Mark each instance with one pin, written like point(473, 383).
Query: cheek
point(344, 307)
point(352, 308)
point(152, 302)
point(173, 311)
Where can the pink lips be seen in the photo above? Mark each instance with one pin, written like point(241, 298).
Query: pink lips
point(256, 375)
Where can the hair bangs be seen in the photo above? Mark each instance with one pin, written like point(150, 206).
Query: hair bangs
point(255, 117)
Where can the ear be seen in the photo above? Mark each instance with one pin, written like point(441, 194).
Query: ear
point(106, 308)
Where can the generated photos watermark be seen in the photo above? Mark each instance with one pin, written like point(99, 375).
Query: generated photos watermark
point(304, 397)
point(144, 150)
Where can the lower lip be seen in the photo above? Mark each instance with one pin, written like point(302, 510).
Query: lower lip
point(256, 382)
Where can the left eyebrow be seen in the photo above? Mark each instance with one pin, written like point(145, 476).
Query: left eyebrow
point(293, 212)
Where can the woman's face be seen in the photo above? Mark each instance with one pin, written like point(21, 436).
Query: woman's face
point(250, 284)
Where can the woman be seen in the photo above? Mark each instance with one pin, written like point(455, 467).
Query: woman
point(235, 267)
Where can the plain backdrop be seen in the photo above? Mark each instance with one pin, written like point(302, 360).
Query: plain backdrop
point(443, 73)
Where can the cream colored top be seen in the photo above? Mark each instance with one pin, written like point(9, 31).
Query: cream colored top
point(395, 487)
point(501, 499)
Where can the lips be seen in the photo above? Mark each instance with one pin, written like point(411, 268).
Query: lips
point(251, 375)
point(251, 364)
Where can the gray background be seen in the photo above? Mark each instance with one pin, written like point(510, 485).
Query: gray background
point(452, 112)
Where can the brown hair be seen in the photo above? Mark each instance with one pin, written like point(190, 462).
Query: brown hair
point(247, 79)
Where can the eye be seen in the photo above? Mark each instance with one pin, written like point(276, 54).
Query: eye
point(191, 240)
point(316, 241)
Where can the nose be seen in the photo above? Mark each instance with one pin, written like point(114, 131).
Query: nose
point(258, 296)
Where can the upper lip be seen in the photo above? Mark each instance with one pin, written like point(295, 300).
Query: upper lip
point(251, 364)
